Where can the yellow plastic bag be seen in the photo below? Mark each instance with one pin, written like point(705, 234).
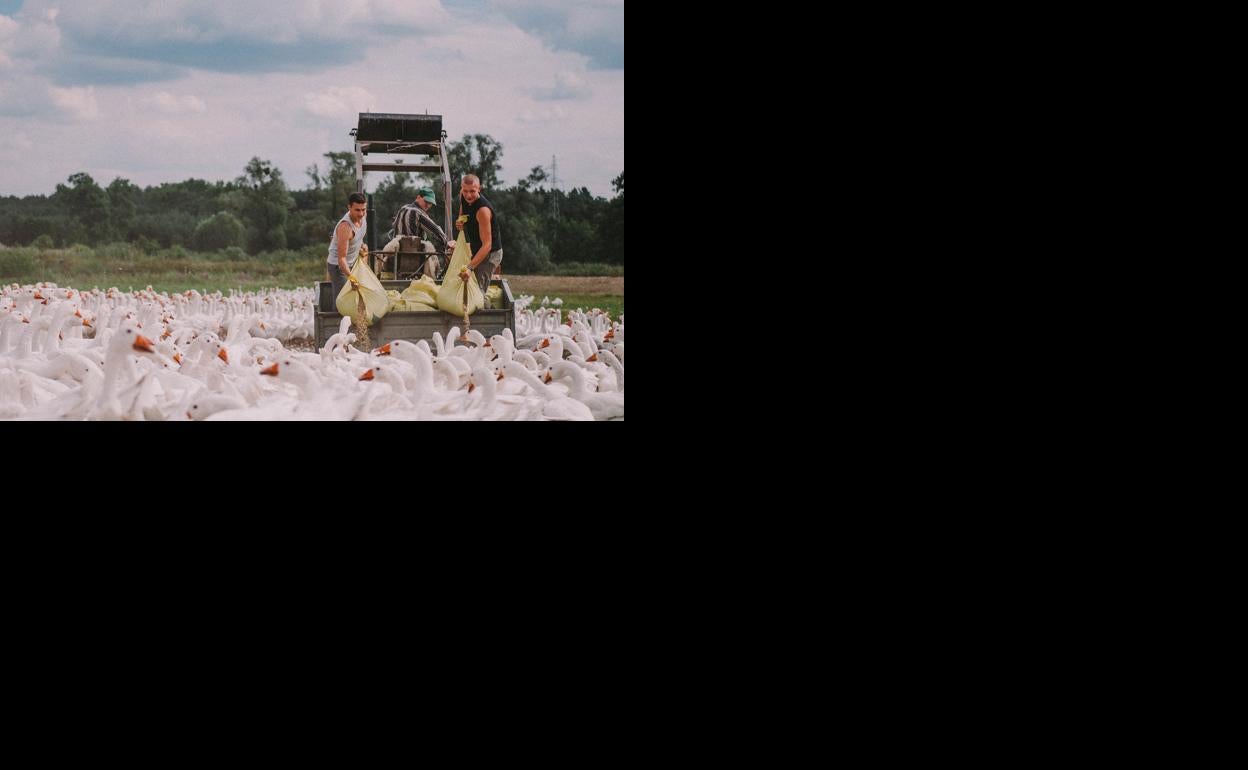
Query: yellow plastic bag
point(451, 295)
point(376, 303)
point(495, 296)
point(395, 301)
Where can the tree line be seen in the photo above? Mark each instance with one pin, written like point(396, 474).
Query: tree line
point(258, 212)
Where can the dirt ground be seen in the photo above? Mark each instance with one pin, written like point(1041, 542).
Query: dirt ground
point(557, 284)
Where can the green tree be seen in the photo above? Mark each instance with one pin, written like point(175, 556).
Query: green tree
point(534, 179)
point(478, 154)
point(525, 252)
point(611, 227)
point(220, 231)
point(337, 184)
point(87, 203)
point(268, 206)
point(123, 202)
point(576, 241)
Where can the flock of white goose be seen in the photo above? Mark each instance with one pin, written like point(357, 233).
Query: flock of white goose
point(146, 355)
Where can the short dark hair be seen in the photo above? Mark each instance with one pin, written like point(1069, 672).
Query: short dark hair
point(356, 198)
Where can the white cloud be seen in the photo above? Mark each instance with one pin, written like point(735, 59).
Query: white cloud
point(27, 44)
point(482, 77)
point(79, 103)
point(568, 85)
point(165, 102)
point(194, 21)
point(339, 102)
point(543, 116)
point(18, 141)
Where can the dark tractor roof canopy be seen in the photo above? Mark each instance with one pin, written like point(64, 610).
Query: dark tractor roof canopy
point(395, 127)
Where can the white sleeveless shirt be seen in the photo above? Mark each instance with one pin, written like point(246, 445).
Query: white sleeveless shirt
point(353, 246)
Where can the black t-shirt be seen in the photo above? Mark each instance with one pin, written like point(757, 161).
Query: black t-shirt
point(472, 227)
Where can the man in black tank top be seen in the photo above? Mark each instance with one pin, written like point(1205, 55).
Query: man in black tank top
point(481, 230)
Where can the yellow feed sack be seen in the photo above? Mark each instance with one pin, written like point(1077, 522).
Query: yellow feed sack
point(451, 295)
point(423, 290)
point(376, 303)
point(394, 300)
point(495, 296)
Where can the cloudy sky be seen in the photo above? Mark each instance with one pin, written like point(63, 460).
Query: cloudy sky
point(165, 90)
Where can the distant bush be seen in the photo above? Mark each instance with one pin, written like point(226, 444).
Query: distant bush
point(223, 230)
point(44, 242)
point(114, 252)
point(79, 250)
point(233, 254)
point(18, 264)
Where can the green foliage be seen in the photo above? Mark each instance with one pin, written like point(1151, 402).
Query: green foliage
point(123, 201)
point(478, 154)
point(222, 230)
point(18, 264)
point(167, 228)
point(544, 230)
point(267, 205)
point(308, 254)
point(523, 251)
point(118, 252)
point(86, 203)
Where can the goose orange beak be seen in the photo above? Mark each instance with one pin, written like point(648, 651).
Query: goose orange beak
point(144, 344)
point(471, 387)
point(500, 376)
point(368, 375)
point(86, 323)
point(594, 357)
point(221, 354)
point(178, 357)
point(548, 378)
point(271, 371)
point(545, 344)
point(384, 350)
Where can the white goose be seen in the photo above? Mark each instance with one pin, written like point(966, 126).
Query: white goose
point(604, 406)
point(555, 406)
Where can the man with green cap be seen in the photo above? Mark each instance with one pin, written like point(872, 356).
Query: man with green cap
point(414, 219)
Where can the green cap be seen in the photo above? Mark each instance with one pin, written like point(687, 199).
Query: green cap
point(427, 194)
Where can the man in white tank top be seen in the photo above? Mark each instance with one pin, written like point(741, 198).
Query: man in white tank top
point(344, 245)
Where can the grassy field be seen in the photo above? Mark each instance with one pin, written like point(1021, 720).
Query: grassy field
point(176, 270)
point(606, 292)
